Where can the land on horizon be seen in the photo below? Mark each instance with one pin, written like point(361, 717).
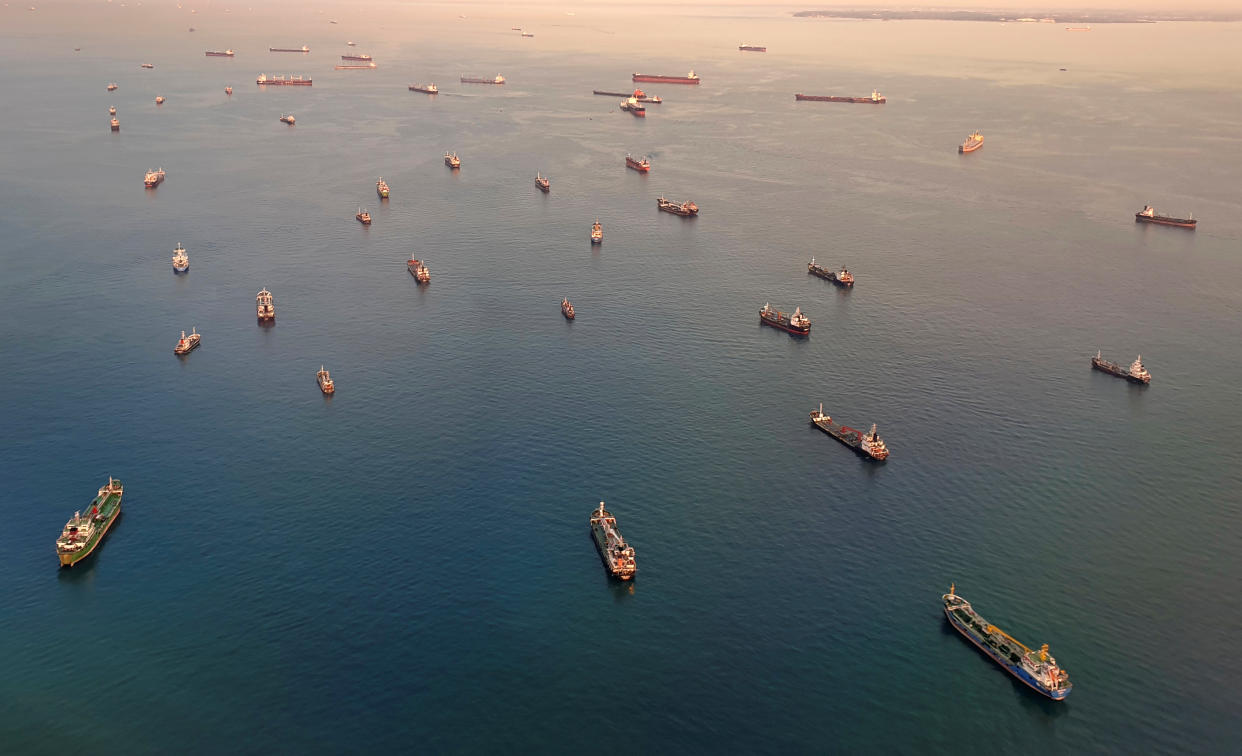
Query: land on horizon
point(1092, 16)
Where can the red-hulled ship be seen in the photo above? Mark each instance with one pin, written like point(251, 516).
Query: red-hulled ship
point(1148, 215)
point(795, 323)
point(842, 278)
point(690, 78)
point(642, 165)
point(875, 99)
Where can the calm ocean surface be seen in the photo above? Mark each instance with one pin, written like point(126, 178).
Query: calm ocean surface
point(406, 566)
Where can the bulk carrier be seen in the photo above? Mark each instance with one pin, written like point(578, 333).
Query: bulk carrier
point(875, 99)
point(867, 444)
point(842, 278)
point(617, 555)
point(1037, 669)
point(82, 535)
point(302, 49)
point(1135, 374)
point(1148, 215)
point(795, 323)
point(690, 78)
point(479, 80)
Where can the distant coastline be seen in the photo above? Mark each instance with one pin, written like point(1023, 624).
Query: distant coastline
point(1014, 16)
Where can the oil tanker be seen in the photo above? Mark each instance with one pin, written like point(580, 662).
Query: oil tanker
point(690, 78)
point(82, 535)
point(747, 47)
point(875, 99)
point(1148, 215)
point(617, 555)
point(795, 323)
point(868, 444)
point(1136, 373)
point(842, 278)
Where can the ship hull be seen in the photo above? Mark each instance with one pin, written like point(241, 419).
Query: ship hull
point(1161, 220)
point(424, 90)
point(637, 166)
point(598, 537)
point(652, 78)
point(1006, 664)
point(829, 275)
point(70, 559)
point(965, 148)
point(784, 326)
point(834, 98)
point(1117, 372)
point(467, 80)
point(848, 436)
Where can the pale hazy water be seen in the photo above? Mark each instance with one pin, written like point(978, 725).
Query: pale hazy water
point(406, 566)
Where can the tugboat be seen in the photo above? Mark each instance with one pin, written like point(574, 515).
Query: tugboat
point(228, 91)
point(188, 343)
point(425, 88)
point(154, 178)
point(82, 535)
point(677, 208)
point(263, 307)
point(972, 143)
point(325, 382)
point(451, 160)
point(381, 188)
point(797, 323)
point(545, 185)
point(112, 87)
point(618, 556)
point(1037, 669)
point(289, 119)
point(868, 444)
point(642, 165)
point(635, 107)
point(159, 100)
point(1148, 215)
point(1136, 374)
point(180, 259)
point(843, 278)
point(597, 233)
point(363, 217)
point(116, 125)
point(418, 270)
point(567, 309)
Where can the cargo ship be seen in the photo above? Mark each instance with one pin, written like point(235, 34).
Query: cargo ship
point(111, 110)
point(747, 47)
point(528, 34)
point(597, 233)
point(567, 309)
point(677, 208)
point(637, 94)
point(82, 535)
point(418, 270)
point(635, 107)
point(1136, 373)
point(228, 91)
point(361, 66)
point(617, 555)
point(147, 65)
point(1148, 215)
point(868, 444)
point(642, 165)
point(363, 217)
point(972, 143)
point(154, 178)
point(544, 184)
point(288, 118)
point(360, 56)
point(427, 88)
point(1037, 669)
point(841, 278)
point(875, 99)
point(291, 81)
point(477, 80)
point(264, 308)
point(381, 188)
point(302, 49)
point(795, 323)
point(112, 87)
point(188, 343)
point(219, 53)
point(159, 99)
point(451, 160)
point(116, 125)
point(690, 78)
point(180, 259)
point(326, 384)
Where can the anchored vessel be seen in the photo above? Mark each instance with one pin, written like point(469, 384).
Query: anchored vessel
point(180, 259)
point(302, 49)
point(635, 107)
point(112, 87)
point(263, 307)
point(1148, 215)
point(147, 65)
point(349, 67)
point(478, 80)
point(747, 47)
point(618, 556)
point(159, 99)
point(1035, 668)
point(363, 217)
point(867, 444)
point(677, 208)
point(597, 233)
point(112, 110)
point(154, 178)
point(875, 99)
point(690, 78)
point(842, 278)
point(418, 270)
point(637, 94)
point(1135, 374)
point(567, 309)
point(428, 88)
point(325, 381)
point(544, 184)
point(116, 125)
point(451, 160)
point(82, 535)
point(188, 343)
point(219, 53)
point(360, 56)
point(972, 143)
point(228, 90)
point(381, 188)
point(642, 165)
point(288, 118)
point(289, 81)
point(795, 323)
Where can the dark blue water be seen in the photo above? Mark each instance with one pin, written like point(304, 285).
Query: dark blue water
point(407, 566)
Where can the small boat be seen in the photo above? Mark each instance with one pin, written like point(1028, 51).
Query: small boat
point(426, 88)
point(418, 270)
point(116, 125)
point(228, 90)
point(180, 259)
point(544, 184)
point(363, 217)
point(112, 87)
point(381, 188)
point(159, 99)
point(288, 118)
point(154, 178)
point(264, 309)
point(642, 165)
point(597, 233)
point(188, 343)
point(677, 208)
point(451, 160)
point(147, 65)
point(567, 309)
point(111, 110)
point(1148, 215)
point(326, 384)
point(972, 143)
